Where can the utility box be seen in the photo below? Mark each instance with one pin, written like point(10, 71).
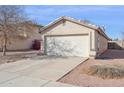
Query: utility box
point(36, 45)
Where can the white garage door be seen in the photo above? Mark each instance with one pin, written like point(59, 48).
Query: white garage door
point(67, 45)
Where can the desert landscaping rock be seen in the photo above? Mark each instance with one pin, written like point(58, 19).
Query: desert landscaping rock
point(79, 77)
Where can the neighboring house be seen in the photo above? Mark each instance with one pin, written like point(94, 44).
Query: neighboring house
point(116, 44)
point(24, 38)
point(70, 37)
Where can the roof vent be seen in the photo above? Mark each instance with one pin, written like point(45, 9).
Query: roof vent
point(103, 28)
point(81, 21)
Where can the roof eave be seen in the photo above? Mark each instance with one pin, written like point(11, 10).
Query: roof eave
point(103, 33)
point(65, 18)
point(97, 28)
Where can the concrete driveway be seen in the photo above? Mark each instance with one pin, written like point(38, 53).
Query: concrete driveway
point(43, 71)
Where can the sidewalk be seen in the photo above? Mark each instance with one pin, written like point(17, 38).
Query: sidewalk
point(24, 81)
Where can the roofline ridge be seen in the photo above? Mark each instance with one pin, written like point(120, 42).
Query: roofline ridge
point(90, 25)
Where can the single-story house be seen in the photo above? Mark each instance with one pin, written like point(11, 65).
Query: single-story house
point(67, 36)
point(24, 37)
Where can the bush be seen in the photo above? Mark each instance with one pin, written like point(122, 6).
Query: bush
point(106, 71)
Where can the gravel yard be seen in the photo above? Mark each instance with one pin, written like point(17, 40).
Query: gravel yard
point(80, 78)
point(17, 55)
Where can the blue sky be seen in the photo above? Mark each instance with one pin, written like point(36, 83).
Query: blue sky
point(112, 17)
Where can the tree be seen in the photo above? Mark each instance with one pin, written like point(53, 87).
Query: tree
point(10, 19)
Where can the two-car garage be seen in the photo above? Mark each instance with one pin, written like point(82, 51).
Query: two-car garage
point(68, 45)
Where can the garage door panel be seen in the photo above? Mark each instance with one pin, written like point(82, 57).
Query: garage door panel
point(67, 46)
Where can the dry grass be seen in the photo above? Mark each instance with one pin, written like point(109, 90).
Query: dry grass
point(106, 71)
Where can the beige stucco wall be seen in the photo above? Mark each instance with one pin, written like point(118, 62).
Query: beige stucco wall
point(19, 44)
point(101, 43)
point(23, 43)
point(67, 28)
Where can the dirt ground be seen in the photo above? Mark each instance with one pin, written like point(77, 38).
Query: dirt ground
point(79, 78)
point(17, 55)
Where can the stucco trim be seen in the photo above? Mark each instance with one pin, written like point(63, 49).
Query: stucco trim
point(66, 35)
